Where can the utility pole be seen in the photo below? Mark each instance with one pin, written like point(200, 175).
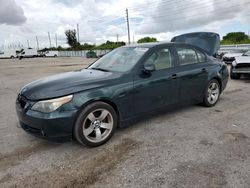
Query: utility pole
point(37, 43)
point(133, 39)
point(128, 26)
point(117, 38)
point(78, 33)
point(28, 43)
point(49, 40)
point(56, 39)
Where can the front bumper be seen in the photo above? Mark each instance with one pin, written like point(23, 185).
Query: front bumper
point(242, 70)
point(46, 125)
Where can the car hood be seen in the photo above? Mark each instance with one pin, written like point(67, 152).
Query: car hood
point(67, 83)
point(243, 59)
point(209, 42)
point(232, 54)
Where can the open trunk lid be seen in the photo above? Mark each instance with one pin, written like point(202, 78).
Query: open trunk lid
point(208, 41)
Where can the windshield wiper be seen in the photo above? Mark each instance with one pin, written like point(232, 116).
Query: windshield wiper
point(101, 69)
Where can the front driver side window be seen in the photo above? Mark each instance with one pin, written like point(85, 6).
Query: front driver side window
point(161, 59)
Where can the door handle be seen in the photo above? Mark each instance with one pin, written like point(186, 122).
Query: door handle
point(174, 76)
point(204, 70)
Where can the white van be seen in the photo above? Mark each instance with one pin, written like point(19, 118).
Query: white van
point(30, 52)
point(8, 54)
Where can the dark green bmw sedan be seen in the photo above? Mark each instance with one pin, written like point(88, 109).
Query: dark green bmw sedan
point(129, 82)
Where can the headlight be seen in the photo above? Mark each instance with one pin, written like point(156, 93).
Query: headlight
point(234, 63)
point(51, 104)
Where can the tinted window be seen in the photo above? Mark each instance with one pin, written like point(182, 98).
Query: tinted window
point(161, 59)
point(201, 57)
point(187, 56)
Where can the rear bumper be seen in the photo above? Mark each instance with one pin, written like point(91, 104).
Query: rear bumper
point(50, 126)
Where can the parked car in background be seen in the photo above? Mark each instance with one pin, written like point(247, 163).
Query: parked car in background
point(230, 56)
point(27, 53)
point(40, 53)
point(131, 81)
point(103, 54)
point(8, 54)
point(240, 66)
point(51, 54)
point(91, 54)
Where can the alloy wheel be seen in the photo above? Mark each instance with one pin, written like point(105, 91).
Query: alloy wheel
point(98, 125)
point(213, 93)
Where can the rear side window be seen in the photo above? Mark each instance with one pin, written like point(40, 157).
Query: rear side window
point(201, 56)
point(187, 56)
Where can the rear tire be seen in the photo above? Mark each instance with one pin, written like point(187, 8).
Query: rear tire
point(212, 93)
point(96, 124)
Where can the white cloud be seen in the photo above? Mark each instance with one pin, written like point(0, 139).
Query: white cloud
point(101, 20)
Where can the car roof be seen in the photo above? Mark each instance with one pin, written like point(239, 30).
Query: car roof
point(153, 44)
point(150, 44)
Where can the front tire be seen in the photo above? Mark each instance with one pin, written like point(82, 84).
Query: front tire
point(212, 93)
point(96, 124)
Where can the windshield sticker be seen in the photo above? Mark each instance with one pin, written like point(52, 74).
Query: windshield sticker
point(141, 49)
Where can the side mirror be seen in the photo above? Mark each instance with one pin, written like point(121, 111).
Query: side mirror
point(148, 68)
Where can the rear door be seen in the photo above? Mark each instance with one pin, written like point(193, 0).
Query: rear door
point(192, 73)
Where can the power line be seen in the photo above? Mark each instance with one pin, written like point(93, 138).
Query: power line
point(185, 7)
point(194, 15)
point(179, 16)
point(191, 6)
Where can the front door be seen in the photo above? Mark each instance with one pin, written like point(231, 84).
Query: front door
point(158, 88)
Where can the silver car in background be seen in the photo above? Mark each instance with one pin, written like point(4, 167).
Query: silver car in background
point(240, 66)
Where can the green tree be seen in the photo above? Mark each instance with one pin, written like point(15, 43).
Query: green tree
point(86, 46)
point(235, 38)
point(147, 39)
point(109, 45)
point(71, 38)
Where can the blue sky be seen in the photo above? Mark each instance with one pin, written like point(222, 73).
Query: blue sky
point(101, 20)
point(235, 26)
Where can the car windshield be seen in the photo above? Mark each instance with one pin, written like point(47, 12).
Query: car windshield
point(247, 53)
point(119, 60)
